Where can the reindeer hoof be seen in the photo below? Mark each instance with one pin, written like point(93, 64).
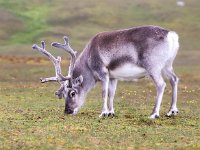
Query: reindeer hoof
point(172, 112)
point(111, 114)
point(103, 115)
point(154, 116)
point(107, 114)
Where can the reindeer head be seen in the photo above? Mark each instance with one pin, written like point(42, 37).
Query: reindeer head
point(71, 88)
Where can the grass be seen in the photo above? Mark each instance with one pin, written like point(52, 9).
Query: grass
point(31, 117)
point(80, 20)
point(33, 16)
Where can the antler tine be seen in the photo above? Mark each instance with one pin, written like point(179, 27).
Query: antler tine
point(56, 62)
point(66, 40)
point(68, 49)
point(43, 44)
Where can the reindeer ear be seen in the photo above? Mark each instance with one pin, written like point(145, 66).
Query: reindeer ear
point(78, 81)
point(59, 92)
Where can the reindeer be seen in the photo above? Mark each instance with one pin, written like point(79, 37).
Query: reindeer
point(126, 54)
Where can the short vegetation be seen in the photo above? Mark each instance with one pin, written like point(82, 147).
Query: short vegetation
point(31, 117)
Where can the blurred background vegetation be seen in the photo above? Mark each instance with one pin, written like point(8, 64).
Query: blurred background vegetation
point(23, 22)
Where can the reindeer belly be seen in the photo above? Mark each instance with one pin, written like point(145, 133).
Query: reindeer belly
point(128, 72)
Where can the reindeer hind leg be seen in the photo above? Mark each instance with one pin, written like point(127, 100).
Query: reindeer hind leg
point(160, 87)
point(168, 71)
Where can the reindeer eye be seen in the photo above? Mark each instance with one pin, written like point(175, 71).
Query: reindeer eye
point(72, 94)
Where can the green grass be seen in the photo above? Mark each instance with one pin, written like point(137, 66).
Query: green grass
point(32, 21)
point(31, 117)
point(33, 16)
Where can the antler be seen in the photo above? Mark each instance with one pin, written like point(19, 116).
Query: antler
point(68, 49)
point(56, 62)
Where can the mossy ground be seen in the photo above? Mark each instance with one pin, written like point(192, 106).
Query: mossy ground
point(31, 117)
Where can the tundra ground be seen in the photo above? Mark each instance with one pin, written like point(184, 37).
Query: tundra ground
point(31, 117)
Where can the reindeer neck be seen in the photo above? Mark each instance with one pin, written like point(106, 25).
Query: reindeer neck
point(81, 68)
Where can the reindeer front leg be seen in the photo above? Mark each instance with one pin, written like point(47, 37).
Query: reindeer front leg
point(105, 87)
point(111, 94)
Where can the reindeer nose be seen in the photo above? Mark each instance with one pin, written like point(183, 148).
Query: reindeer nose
point(69, 111)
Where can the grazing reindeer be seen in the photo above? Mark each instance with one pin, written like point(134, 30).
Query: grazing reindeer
point(119, 55)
